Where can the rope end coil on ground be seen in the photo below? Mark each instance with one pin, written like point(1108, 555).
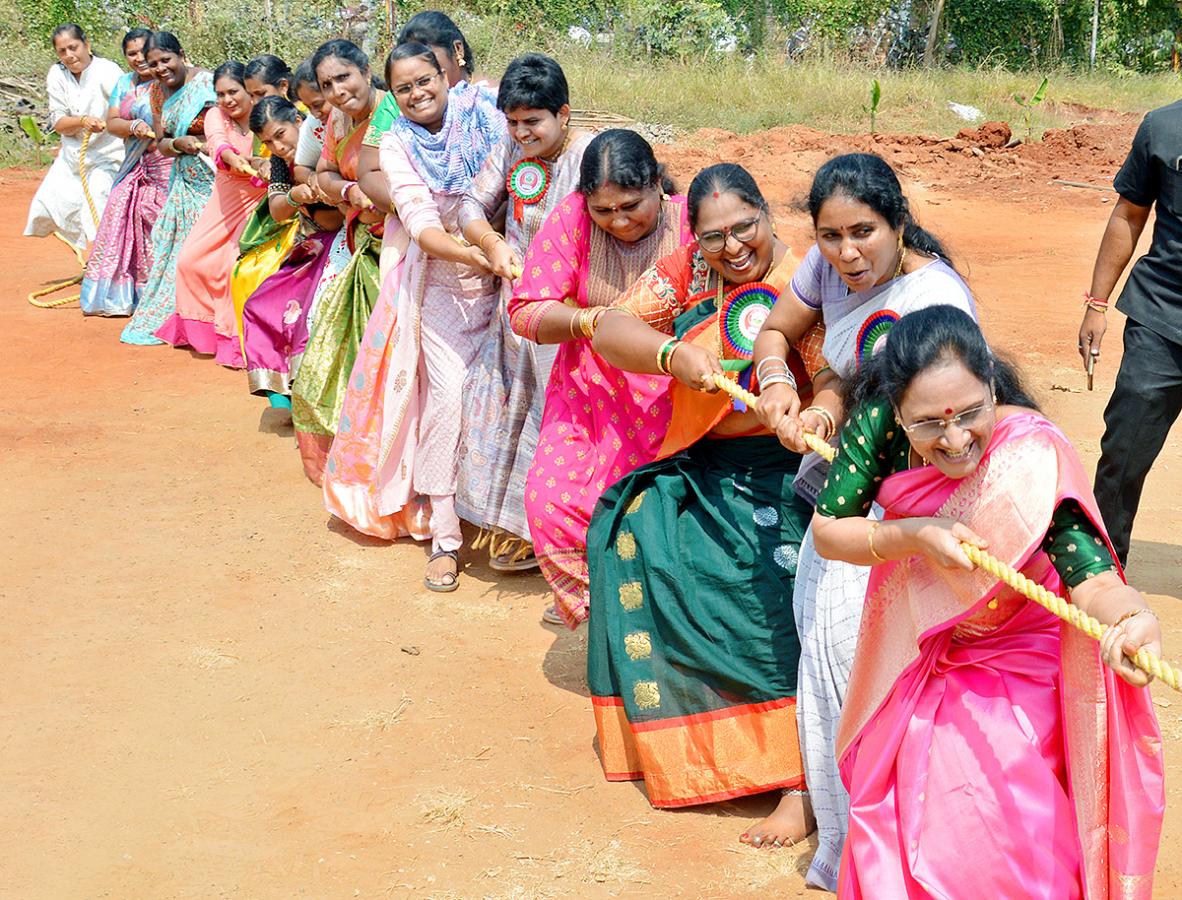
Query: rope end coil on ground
point(1147, 662)
point(34, 296)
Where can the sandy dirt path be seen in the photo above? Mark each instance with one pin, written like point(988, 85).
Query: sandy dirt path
point(207, 689)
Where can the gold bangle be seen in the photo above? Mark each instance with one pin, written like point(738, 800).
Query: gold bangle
point(574, 325)
point(870, 542)
point(484, 237)
point(665, 353)
point(590, 321)
point(669, 359)
point(1132, 613)
point(826, 415)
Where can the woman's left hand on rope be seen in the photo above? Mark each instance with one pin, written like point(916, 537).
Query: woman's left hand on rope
point(791, 429)
point(695, 367)
point(1120, 643)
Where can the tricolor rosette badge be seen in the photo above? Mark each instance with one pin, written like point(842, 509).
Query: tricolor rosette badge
point(528, 182)
point(873, 332)
point(743, 313)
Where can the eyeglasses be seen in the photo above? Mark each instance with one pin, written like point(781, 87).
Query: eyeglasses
point(714, 241)
point(933, 429)
point(405, 90)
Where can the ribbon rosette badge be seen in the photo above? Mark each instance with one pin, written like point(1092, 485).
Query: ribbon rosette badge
point(527, 183)
point(743, 313)
point(872, 334)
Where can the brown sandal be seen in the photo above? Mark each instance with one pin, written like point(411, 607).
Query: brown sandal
point(451, 580)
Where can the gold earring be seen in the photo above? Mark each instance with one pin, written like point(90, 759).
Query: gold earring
point(461, 61)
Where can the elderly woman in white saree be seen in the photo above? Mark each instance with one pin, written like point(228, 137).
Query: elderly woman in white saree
point(79, 88)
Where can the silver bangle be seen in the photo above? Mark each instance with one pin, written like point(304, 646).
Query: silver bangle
point(770, 360)
point(781, 375)
point(777, 378)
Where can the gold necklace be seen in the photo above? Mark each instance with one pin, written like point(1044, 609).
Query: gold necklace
point(562, 149)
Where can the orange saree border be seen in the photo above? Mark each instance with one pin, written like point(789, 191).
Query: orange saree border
point(754, 748)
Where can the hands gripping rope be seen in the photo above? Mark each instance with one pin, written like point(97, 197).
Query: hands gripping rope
point(1146, 661)
point(54, 288)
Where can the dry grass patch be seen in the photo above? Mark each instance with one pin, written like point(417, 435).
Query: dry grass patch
point(444, 809)
point(212, 658)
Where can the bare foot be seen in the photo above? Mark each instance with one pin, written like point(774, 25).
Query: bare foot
point(790, 823)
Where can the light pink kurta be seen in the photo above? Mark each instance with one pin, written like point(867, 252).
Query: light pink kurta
point(401, 423)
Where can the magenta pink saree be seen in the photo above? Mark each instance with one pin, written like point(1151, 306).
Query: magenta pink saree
point(599, 422)
point(984, 745)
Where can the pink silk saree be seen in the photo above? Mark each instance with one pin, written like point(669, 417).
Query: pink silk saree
point(984, 745)
point(599, 422)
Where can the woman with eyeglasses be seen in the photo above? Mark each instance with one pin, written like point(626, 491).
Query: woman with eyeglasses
point(692, 654)
point(986, 745)
point(598, 422)
point(437, 31)
point(343, 300)
point(403, 414)
point(871, 264)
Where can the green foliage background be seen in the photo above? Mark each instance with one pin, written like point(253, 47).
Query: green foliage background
point(1135, 35)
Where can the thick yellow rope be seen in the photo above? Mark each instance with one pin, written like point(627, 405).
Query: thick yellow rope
point(54, 288)
point(1053, 603)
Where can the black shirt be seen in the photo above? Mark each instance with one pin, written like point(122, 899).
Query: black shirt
point(1152, 173)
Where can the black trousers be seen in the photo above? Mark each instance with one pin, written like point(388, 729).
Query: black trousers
point(1143, 407)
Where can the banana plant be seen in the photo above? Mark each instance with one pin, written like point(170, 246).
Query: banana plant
point(36, 135)
point(872, 109)
point(1029, 103)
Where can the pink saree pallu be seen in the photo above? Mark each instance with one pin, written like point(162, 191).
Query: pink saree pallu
point(987, 750)
point(367, 476)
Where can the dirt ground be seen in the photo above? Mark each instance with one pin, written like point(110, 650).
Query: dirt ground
point(208, 689)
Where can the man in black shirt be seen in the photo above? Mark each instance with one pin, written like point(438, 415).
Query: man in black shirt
point(1147, 397)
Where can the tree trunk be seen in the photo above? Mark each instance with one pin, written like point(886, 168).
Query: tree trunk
point(929, 52)
point(1055, 46)
point(1095, 34)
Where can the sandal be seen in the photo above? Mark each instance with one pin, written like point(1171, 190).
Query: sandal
point(552, 617)
point(451, 580)
point(509, 562)
point(509, 553)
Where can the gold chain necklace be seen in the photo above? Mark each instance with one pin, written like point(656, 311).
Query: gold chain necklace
point(562, 149)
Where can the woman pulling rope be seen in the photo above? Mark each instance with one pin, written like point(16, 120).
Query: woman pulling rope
point(94, 214)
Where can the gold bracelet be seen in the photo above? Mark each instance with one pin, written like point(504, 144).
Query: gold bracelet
point(826, 415)
point(870, 542)
point(590, 320)
point(484, 237)
point(1132, 613)
point(575, 326)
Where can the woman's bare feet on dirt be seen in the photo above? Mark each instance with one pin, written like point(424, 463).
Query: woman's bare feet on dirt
point(790, 823)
